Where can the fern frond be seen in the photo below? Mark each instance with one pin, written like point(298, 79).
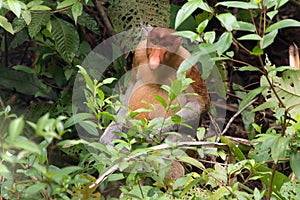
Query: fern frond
point(66, 39)
point(36, 24)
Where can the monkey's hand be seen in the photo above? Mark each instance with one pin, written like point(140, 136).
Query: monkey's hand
point(190, 115)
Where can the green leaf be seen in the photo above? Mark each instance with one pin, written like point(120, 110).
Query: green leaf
point(108, 81)
point(266, 105)
point(181, 181)
point(77, 11)
point(250, 37)
point(189, 62)
point(287, 88)
point(36, 24)
point(88, 80)
point(239, 4)
point(278, 150)
point(15, 128)
point(40, 8)
point(245, 26)
point(15, 7)
point(60, 174)
point(202, 26)
point(233, 148)
point(219, 193)
point(161, 100)
point(224, 42)
point(75, 118)
point(249, 68)
point(285, 23)
point(295, 163)
point(251, 95)
point(5, 172)
point(257, 51)
point(34, 3)
point(66, 3)
point(210, 36)
point(23, 68)
point(188, 8)
point(278, 180)
point(66, 39)
point(176, 119)
point(24, 143)
point(24, 83)
point(229, 21)
point(191, 161)
point(268, 39)
point(6, 25)
point(35, 188)
point(189, 34)
point(271, 14)
point(26, 15)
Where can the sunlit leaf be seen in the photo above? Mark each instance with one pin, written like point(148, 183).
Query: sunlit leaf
point(295, 163)
point(285, 23)
point(6, 25)
point(229, 21)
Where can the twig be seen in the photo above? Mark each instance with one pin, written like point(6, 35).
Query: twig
point(115, 167)
point(104, 17)
point(236, 114)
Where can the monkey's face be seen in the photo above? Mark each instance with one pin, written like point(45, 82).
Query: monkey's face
point(161, 44)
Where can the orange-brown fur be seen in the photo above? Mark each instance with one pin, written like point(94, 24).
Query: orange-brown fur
point(144, 95)
point(173, 54)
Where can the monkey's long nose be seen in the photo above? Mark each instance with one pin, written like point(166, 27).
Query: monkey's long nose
point(156, 57)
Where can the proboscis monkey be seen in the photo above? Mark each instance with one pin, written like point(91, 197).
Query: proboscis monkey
point(155, 63)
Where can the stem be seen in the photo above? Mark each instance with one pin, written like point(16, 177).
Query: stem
point(253, 21)
point(242, 46)
point(271, 181)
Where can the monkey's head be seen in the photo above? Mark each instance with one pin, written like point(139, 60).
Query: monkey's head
point(161, 45)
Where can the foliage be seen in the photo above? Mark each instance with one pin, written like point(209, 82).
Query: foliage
point(138, 168)
point(53, 47)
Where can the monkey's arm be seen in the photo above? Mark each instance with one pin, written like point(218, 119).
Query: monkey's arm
point(190, 114)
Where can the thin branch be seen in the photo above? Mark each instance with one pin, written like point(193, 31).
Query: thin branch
point(104, 17)
point(237, 114)
point(115, 167)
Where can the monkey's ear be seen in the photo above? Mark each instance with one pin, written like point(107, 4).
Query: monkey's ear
point(146, 28)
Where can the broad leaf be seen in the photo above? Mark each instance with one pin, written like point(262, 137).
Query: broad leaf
point(24, 143)
point(288, 89)
point(24, 83)
point(245, 26)
point(188, 8)
point(6, 25)
point(250, 37)
point(15, 128)
point(229, 21)
point(66, 39)
point(66, 3)
point(77, 11)
point(239, 4)
point(15, 7)
point(36, 24)
point(251, 95)
point(268, 39)
point(233, 148)
point(224, 42)
point(191, 161)
point(283, 24)
point(278, 180)
point(295, 163)
point(278, 150)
